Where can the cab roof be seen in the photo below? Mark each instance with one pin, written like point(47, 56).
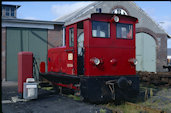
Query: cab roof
point(109, 14)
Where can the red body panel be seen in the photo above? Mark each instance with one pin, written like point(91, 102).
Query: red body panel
point(25, 68)
point(106, 49)
point(42, 67)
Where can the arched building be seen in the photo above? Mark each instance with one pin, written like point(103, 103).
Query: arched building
point(151, 39)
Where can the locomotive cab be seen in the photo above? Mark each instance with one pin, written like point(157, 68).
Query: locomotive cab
point(99, 54)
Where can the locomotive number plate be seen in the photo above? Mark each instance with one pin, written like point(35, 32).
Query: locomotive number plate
point(69, 65)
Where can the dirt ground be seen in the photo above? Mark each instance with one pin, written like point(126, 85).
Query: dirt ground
point(47, 102)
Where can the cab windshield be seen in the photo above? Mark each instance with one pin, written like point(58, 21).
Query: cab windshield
point(124, 31)
point(100, 29)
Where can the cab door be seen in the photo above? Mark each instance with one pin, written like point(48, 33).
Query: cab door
point(80, 53)
point(71, 49)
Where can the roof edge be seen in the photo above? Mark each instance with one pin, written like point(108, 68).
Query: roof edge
point(74, 13)
point(17, 6)
point(32, 21)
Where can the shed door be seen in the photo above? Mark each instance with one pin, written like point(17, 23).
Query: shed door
point(20, 39)
point(145, 52)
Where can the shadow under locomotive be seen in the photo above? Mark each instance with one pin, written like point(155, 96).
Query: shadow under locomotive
point(97, 89)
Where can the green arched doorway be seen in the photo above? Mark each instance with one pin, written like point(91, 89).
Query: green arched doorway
point(145, 52)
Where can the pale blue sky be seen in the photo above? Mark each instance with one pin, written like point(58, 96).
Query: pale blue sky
point(159, 11)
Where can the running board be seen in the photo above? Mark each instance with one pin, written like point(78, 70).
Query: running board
point(60, 77)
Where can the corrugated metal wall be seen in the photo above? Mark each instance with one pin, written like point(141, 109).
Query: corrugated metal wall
point(145, 52)
point(22, 39)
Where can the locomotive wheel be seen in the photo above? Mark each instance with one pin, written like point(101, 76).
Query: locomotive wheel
point(63, 90)
point(67, 91)
point(119, 101)
point(56, 88)
point(85, 99)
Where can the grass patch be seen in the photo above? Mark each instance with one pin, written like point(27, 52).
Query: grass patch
point(47, 88)
point(102, 110)
point(74, 97)
point(124, 108)
point(157, 104)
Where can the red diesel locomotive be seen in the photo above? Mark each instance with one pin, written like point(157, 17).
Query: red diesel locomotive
point(98, 59)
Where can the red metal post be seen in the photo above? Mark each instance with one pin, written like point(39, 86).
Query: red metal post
point(25, 69)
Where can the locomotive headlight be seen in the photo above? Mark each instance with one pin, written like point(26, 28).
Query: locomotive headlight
point(133, 61)
point(116, 19)
point(113, 61)
point(95, 61)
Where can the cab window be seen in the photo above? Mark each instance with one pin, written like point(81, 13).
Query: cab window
point(71, 37)
point(124, 31)
point(100, 29)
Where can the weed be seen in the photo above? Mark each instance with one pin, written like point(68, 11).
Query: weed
point(47, 88)
point(102, 110)
point(74, 97)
